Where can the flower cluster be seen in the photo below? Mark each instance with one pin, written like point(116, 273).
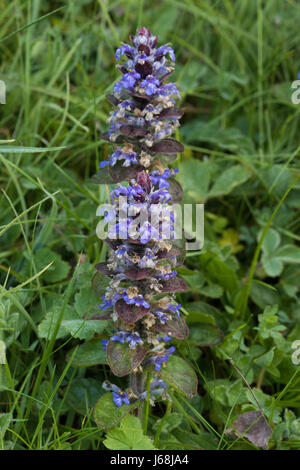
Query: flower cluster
point(140, 297)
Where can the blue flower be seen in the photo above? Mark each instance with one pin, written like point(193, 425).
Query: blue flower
point(127, 81)
point(106, 304)
point(126, 49)
point(166, 277)
point(133, 338)
point(162, 316)
point(175, 309)
point(151, 85)
point(161, 178)
point(163, 50)
point(128, 157)
point(104, 343)
point(120, 397)
point(120, 336)
point(138, 300)
point(158, 360)
point(166, 339)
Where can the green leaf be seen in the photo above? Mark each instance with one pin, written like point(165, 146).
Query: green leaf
point(204, 334)
point(194, 177)
point(180, 374)
point(263, 294)
point(228, 180)
point(219, 271)
point(30, 149)
point(212, 290)
point(227, 393)
point(89, 354)
point(71, 324)
point(86, 301)
point(83, 394)
point(201, 441)
point(107, 414)
point(58, 271)
point(5, 419)
point(129, 436)
point(172, 421)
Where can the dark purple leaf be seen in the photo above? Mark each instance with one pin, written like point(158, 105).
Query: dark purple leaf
point(120, 173)
point(253, 426)
point(140, 97)
point(113, 244)
point(176, 191)
point(133, 131)
point(167, 146)
point(104, 269)
point(171, 112)
point(112, 99)
point(176, 328)
point(168, 254)
point(130, 313)
point(121, 359)
point(137, 274)
point(174, 285)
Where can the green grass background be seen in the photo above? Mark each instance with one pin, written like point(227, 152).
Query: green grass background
point(236, 61)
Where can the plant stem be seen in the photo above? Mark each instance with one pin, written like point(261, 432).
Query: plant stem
point(146, 406)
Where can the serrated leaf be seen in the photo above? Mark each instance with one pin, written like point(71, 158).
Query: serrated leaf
point(71, 324)
point(129, 436)
point(120, 173)
point(86, 301)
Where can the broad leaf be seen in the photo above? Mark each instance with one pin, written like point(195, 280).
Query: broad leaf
point(129, 436)
point(121, 359)
point(205, 334)
point(253, 426)
point(176, 328)
point(180, 374)
point(167, 146)
point(88, 354)
point(107, 414)
point(174, 285)
point(130, 313)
